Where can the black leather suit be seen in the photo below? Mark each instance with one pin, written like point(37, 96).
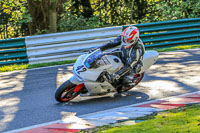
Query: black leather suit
point(131, 57)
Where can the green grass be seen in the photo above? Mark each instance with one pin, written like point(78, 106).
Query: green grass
point(27, 66)
point(181, 120)
point(182, 47)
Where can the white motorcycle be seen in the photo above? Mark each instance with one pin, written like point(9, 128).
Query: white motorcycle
point(92, 75)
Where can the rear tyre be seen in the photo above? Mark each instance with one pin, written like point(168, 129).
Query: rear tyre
point(65, 92)
point(139, 79)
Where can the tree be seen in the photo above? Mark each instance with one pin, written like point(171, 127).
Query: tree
point(13, 18)
point(47, 16)
point(87, 9)
point(81, 7)
point(44, 14)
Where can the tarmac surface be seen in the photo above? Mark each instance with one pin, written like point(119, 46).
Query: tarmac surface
point(27, 97)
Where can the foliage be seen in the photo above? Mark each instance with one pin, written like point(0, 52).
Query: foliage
point(171, 10)
point(15, 8)
point(45, 14)
point(16, 17)
point(37, 15)
point(70, 22)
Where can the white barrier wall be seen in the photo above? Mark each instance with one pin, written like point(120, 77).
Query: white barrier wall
point(67, 45)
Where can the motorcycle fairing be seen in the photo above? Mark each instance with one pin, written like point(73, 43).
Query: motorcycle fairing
point(149, 58)
point(90, 60)
point(88, 75)
point(81, 71)
point(96, 88)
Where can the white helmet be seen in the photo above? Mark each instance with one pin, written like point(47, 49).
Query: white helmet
point(130, 36)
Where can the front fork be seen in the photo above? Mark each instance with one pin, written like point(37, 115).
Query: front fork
point(78, 87)
point(79, 84)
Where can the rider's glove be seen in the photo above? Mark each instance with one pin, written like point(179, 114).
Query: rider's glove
point(91, 50)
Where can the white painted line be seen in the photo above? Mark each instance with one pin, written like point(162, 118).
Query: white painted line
point(105, 111)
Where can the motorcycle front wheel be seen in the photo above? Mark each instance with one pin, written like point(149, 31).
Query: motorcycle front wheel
point(67, 91)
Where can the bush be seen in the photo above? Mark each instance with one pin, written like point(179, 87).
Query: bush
point(171, 10)
point(70, 22)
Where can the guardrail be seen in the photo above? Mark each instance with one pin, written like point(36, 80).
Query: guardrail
point(69, 45)
point(13, 51)
point(170, 33)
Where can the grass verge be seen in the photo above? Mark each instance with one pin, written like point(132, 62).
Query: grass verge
point(27, 66)
point(180, 120)
point(181, 47)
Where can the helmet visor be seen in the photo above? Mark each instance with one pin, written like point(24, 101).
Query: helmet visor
point(128, 42)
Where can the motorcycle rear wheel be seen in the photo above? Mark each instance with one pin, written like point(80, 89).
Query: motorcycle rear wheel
point(65, 92)
point(140, 77)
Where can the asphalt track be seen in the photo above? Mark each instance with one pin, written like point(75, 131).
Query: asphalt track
point(27, 97)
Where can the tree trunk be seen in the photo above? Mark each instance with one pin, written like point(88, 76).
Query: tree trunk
point(53, 15)
point(52, 20)
point(44, 14)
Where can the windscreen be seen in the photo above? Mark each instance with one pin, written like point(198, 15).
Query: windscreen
point(90, 62)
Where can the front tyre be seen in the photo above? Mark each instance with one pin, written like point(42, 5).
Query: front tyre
point(67, 91)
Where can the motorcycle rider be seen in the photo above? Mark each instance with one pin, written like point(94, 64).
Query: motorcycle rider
point(131, 52)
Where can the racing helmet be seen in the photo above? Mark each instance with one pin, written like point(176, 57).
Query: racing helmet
point(130, 36)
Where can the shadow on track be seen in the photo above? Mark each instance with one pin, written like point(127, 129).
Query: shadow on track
point(131, 96)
